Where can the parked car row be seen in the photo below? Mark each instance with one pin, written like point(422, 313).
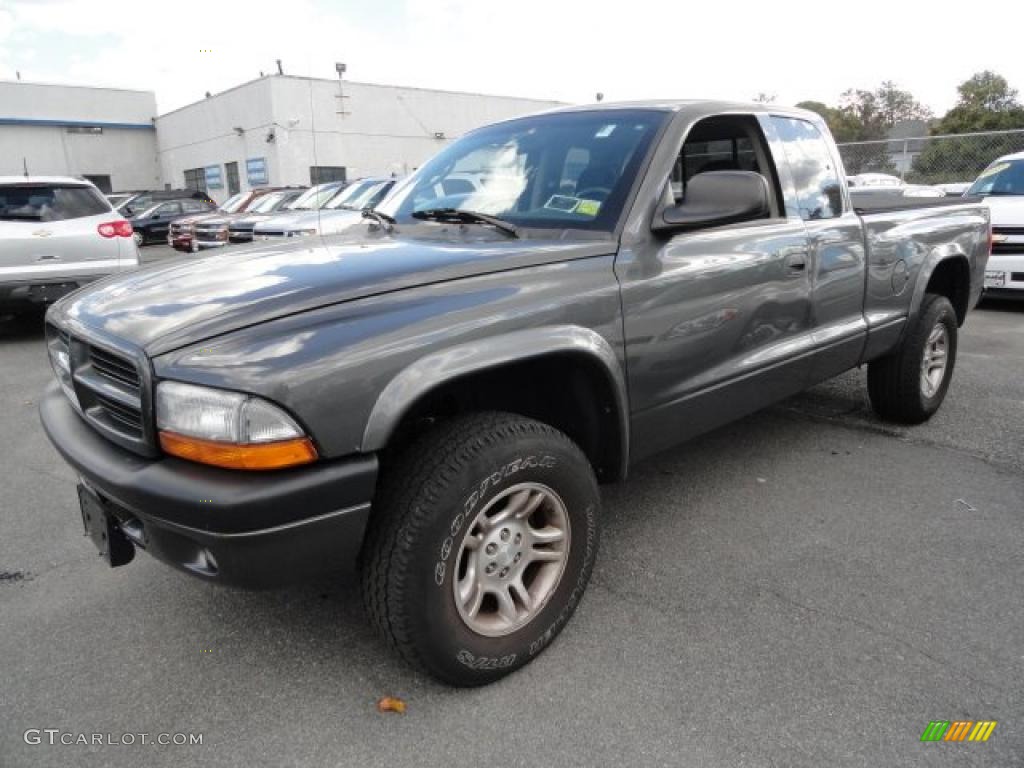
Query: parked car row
point(274, 212)
point(210, 230)
point(336, 214)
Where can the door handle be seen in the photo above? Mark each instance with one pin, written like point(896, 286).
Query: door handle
point(796, 258)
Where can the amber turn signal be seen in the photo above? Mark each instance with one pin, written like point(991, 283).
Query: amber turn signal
point(276, 455)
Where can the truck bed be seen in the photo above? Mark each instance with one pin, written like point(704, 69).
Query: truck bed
point(866, 204)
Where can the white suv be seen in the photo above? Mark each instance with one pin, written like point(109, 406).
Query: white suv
point(56, 234)
point(1002, 186)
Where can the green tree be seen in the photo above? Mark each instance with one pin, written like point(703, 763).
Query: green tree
point(842, 126)
point(986, 103)
point(865, 116)
point(873, 113)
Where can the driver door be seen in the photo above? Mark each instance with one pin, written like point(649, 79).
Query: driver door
point(716, 320)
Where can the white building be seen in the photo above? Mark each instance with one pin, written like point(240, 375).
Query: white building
point(104, 134)
point(286, 130)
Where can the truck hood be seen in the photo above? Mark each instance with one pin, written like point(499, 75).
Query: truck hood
point(250, 219)
point(326, 220)
point(197, 217)
point(1007, 210)
point(169, 306)
point(280, 221)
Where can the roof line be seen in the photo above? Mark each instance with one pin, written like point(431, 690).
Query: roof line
point(269, 77)
point(73, 123)
point(50, 84)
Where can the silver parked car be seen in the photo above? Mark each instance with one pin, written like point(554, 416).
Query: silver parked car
point(56, 234)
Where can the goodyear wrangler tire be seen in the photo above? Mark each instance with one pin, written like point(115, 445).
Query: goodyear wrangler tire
point(908, 385)
point(481, 544)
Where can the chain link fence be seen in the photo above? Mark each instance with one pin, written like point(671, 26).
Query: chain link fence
point(931, 159)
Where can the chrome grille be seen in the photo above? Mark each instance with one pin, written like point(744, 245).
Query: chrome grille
point(108, 388)
point(1005, 248)
point(114, 367)
point(126, 416)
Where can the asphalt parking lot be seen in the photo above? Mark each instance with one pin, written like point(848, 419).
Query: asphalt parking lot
point(806, 587)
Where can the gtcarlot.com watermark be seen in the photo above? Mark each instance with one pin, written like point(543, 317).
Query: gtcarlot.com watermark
point(55, 736)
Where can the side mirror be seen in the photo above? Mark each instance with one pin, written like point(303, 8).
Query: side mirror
point(714, 198)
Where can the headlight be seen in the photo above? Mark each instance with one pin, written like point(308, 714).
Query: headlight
point(60, 361)
point(301, 232)
point(228, 429)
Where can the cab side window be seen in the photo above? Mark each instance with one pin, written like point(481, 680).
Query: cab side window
point(724, 143)
point(815, 176)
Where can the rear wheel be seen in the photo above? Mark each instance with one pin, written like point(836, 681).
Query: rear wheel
point(481, 544)
point(909, 384)
point(139, 239)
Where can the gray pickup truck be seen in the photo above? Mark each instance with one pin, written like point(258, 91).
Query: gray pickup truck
point(434, 398)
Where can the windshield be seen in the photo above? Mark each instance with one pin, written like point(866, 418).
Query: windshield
point(342, 197)
point(362, 195)
point(314, 197)
point(564, 170)
point(267, 203)
point(234, 203)
point(1004, 177)
point(135, 204)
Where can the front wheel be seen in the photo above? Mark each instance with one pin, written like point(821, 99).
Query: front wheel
point(481, 545)
point(909, 384)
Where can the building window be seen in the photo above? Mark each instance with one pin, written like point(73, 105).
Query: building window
point(195, 178)
point(213, 177)
point(321, 174)
point(233, 184)
point(256, 171)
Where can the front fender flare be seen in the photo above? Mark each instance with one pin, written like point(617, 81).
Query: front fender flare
point(446, 365)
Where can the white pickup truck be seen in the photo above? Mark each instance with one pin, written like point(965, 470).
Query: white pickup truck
point(1001, 185)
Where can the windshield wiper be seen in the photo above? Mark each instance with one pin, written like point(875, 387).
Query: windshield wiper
point(460, 216)
point(383, 220)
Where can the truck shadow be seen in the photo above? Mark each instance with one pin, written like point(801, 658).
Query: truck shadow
point(659, 501)
point(23, 327)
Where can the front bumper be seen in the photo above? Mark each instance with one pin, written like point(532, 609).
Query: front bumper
point(1011, 266)
point(207, 244)
point(180, 242)
point(246, 529)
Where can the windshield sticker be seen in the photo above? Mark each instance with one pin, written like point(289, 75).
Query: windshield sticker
point(562, 203)
point(993, 170)
point(605, 131)
point(588, 207)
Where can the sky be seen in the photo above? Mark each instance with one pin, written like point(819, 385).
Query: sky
point(551, 49)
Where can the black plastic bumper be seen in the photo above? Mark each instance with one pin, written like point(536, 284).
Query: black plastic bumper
point(247, 529)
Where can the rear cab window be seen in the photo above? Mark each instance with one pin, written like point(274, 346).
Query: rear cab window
point(816, 178)
point(50, 202)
